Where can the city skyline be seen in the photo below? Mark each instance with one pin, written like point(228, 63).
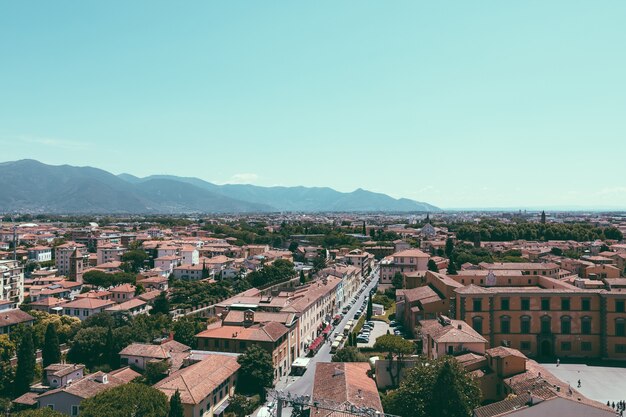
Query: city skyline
point(414, 100)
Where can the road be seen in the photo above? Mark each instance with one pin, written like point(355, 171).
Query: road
point(303, 385)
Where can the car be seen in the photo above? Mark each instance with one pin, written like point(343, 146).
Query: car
point(370, 322)
point(362, 339)
point(393, 323)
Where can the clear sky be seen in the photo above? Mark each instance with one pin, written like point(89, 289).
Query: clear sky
point(457, 103)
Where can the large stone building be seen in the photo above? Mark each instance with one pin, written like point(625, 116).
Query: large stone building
point(11, 282)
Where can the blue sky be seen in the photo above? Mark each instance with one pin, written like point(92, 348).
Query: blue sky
point(460, 104)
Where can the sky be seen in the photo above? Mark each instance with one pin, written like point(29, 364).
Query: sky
point(459, 104)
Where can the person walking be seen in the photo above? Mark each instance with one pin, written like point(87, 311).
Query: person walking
point(558, 361)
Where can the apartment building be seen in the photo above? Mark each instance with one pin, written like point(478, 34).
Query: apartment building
point(409, 260)
point(63, 257)
point(110, 253)
point(11, 281)
point(40, 253)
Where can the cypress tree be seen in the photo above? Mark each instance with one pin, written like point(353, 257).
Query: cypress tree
point(451, 268)
point(51, 352)
point(176, 406)
point(369, 313)
point(25, 372)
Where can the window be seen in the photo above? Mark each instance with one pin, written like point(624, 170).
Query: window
point(525, 324)
point(586, 304)
point(477, 324)
point(566, 325)
point(74, 410)
point(478, 304)
point(619, 306)
point(585, 327)
point(585, 346)
point(505, 324)
point(525, 304)
point(620, 348)
point(565, 304)
point(620, 327)
point(546, 326)
point(504, 304)
point(525, 345)
point(566, 346)
point(545, 304)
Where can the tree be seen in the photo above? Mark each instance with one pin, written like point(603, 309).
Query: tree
point(40, 412)
point(556, 251)
point(161, 304)
point(89, 346)
point(7, 350)
point(256, 373)
point(364, 230)
point(51, 352)
point(451, 270)
point(396, 347)
point(349, 354)
point(134, 259)
point(25, 372)
point(137, 400)
point(449, 247)
point(156, 371)
point(302, 277)
point(369, 311)
point(110, 353)
point(240, 406)
point(439, 388)
point(293, 246)
point(176, 406)
point(185, 330)
point(432, 266)
point(397, 281)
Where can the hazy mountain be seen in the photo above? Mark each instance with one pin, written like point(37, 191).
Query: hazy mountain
point(31, 186)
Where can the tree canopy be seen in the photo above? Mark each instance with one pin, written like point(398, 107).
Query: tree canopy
point(129, 400)
point(102, 279)
point(51, 352)
point(349, 354)
point(434, 388)
point(257, 371)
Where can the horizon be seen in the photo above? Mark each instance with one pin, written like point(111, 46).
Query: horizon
point(414, 100)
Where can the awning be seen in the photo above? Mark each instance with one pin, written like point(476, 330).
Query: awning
point(220, 409)
point(316, 343)
point(326, 330)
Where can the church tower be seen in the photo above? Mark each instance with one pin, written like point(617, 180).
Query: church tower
point(76, 266)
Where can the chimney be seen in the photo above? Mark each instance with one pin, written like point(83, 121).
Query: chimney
point(460, 326)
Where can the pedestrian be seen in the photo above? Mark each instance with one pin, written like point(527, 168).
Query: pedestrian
point(579, 383)
point(613, 405)
point(558, 361)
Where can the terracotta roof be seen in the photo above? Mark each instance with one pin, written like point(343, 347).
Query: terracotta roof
point(456, 332)
point(62, 369)
point(89, 303)
point(162, 351)
point(127, 305)
point(345, 383)
point(503, 352)
point(13, 317)
point(263, 332)
point(197, 382)
point(88, 386)
point(408, 253)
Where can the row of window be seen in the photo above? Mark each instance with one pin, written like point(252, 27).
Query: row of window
point(546, 325)
point(505, 304)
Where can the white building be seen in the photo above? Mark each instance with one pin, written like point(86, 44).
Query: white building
point(11, 281)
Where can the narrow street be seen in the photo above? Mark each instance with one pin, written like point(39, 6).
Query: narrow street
point(303, 385)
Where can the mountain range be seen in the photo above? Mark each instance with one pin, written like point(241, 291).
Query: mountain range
point(31, 186)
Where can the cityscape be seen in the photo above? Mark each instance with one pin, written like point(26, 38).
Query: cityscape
point(322, 209)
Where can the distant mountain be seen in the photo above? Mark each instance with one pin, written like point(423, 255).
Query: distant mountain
point(31, 186)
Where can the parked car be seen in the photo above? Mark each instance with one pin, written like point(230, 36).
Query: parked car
point(393, 323)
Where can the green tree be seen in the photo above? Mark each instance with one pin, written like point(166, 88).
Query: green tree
point(51, 352)
point(89, 346)
point(302, 277)
point(432, 266)
point(156, 371)
point(451, 270)
point(397, 281)
point(110, 352)
point(369, 311)
point(293, 246)
point(438, 388)
point(240, 406)
point(449, 247)
point(40, 412)
point(349, 354)
point(185, 330)
point(134, 259)
point(129, 400)
point(396, 348)
point(161, 304)
point(256, 373)
point(7, 350)
point(176, 406)
point(25, 372)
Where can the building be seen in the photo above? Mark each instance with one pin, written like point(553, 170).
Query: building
point(11, 316)
point(110, 253)
point(338, 385)
point(66, 399)
point(138, 355)
point(444, 336)
point(40, 254)
point(205, 387)
point(409, 260)
point(271, 336)
point(63, 254)
point(85, 307)
point(123, 293)
point(11, 281)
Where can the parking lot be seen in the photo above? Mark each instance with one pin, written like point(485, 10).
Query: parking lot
point(380, 328)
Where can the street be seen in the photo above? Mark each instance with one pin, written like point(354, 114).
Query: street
point(303, 385)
